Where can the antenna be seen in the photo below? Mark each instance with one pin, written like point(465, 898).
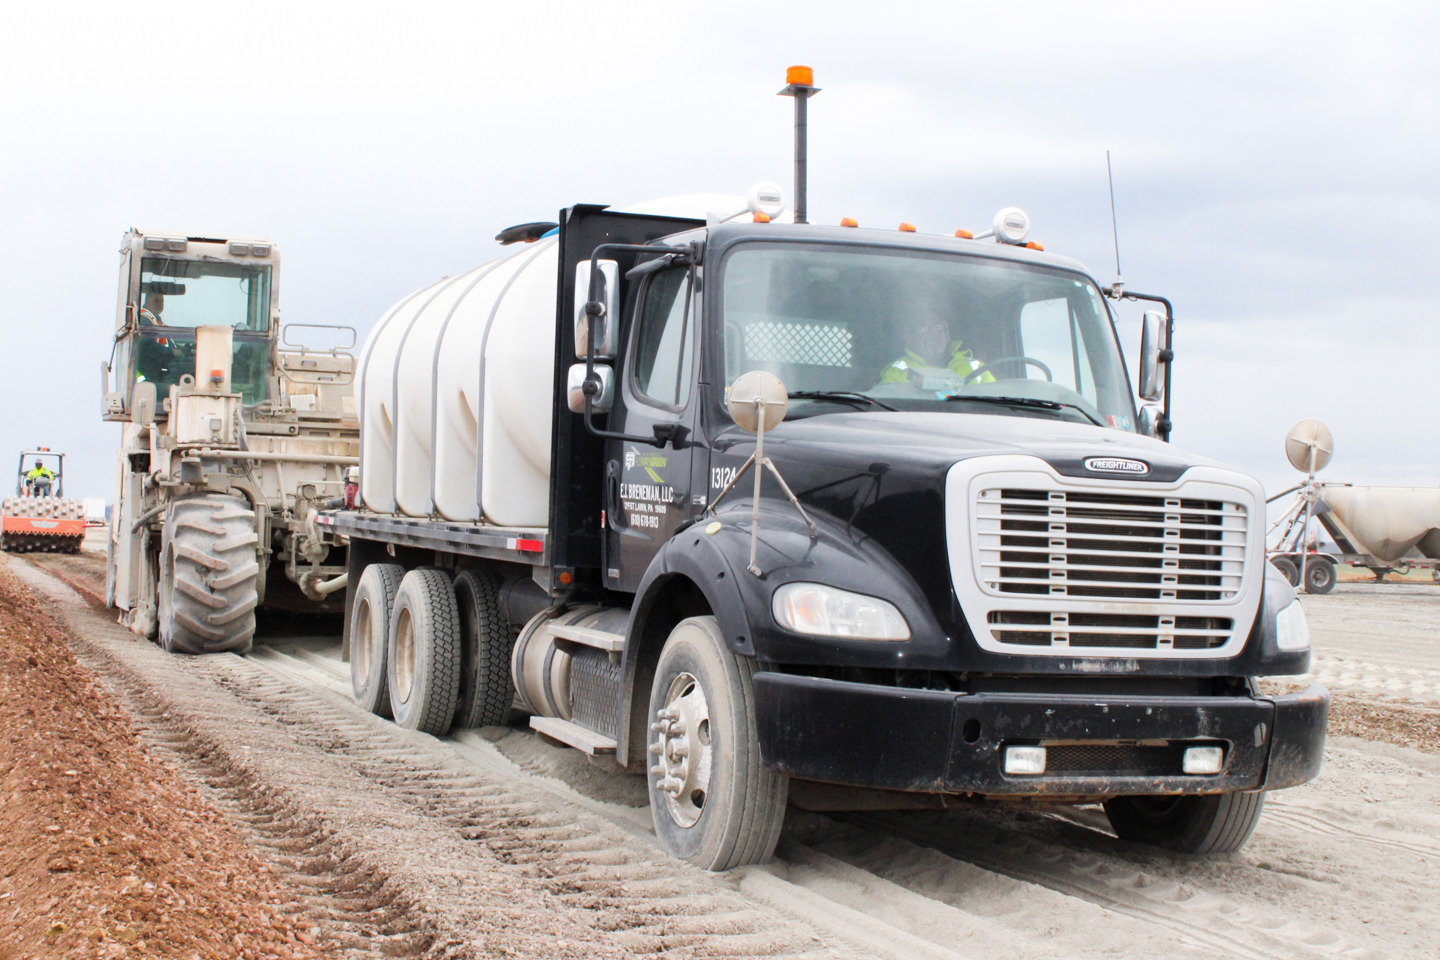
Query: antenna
point(1114, 223)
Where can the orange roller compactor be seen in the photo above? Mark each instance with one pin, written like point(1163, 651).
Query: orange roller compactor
point(39, 518)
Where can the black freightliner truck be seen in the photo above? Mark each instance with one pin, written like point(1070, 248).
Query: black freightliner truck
point(996, 586)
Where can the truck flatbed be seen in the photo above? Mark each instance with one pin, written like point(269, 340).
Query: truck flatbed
point(516, 544)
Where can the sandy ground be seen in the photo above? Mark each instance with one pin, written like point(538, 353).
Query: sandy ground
point(494, 843)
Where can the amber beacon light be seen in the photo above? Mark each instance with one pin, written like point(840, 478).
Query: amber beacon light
point(800, 84)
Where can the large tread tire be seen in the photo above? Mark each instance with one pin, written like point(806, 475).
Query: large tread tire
point(370, 636)
point(486, 691)
point(727, 812)
point(1319, 577)
point(209, 575)
point(424, 672)
point(1203, 825)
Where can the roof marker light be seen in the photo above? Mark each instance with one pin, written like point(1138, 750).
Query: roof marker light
point(761, 217)
point(849, 222)
point(1032, 245)
point(964, 234)
point(907, 227)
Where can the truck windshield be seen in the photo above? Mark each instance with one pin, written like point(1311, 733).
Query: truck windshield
point(923, 331)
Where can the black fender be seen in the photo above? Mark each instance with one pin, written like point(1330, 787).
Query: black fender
point(1262, 655)
point(704, 569)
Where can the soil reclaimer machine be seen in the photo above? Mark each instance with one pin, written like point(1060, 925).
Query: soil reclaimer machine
point(232, 436)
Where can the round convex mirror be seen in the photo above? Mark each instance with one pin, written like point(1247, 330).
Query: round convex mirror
point(1305, 436)
point(752, 393)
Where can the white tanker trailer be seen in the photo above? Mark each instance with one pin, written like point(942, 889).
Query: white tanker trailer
point(1384, 529)
point(774, 511)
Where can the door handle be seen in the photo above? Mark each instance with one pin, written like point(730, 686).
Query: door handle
point(612, 495)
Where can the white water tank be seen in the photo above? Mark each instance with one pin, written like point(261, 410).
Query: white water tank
point(456, 387)
point(455, 395)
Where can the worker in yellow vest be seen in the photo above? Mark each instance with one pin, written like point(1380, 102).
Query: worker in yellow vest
point(39, 479)
point(928, 344)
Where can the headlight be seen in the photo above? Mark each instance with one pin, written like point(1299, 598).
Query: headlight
point(822, 611)
point(1291, 630)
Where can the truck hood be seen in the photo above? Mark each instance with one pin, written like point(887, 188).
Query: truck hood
point(945, 438)
point(882, 474)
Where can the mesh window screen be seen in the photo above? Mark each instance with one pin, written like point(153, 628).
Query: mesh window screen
point(815, 343)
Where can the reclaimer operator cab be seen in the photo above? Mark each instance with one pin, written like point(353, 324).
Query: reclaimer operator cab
point(170, 285)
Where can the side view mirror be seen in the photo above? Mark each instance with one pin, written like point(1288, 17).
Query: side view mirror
point(603, 311)
point(1148, 420)
point(602, 387)
point(1152, 335)
point(111, 403)
point(142, 403)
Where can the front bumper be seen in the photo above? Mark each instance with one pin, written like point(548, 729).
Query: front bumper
point(929, 741)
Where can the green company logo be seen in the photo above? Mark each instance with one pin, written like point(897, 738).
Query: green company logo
point(650, 463)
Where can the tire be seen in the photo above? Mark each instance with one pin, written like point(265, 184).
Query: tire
point(1216, 823)
point(714, 803)
point(209, 576)
point(486, 691)
point(424, 674)
point(1319, 576)
point(1287, 566)
point(110, 573)
point(370, 636)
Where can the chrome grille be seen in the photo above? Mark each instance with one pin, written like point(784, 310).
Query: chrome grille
point(1064, 543)
point(1043, 628)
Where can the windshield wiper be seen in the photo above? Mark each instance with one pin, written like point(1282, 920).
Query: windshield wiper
point(840, 396)
point(1026, 402)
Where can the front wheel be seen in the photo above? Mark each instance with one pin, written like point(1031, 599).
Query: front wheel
point(1215, 823)
point(714, 803)
point(209, 576)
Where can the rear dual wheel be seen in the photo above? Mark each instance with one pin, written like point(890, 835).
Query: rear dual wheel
point(405, 646)
point(369, 632)
point(425, 653)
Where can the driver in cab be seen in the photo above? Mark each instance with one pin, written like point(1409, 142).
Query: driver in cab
point(928, 344)
point(151, 309)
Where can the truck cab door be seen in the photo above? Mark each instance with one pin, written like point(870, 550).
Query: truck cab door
point(647, 488)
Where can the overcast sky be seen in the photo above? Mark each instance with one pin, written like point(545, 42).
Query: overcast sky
point(1275, 165)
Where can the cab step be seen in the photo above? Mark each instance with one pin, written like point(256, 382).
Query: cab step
point(589, 637)
point(572, 734)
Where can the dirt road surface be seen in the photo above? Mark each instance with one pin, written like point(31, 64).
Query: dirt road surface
point(492, 843)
